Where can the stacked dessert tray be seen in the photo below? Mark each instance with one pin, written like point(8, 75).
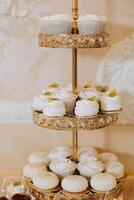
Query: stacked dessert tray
point(73, 122)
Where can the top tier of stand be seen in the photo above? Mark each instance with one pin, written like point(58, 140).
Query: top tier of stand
point(74, 40)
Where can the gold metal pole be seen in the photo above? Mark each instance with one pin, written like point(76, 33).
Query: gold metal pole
point(74, 70)
point(74, 74)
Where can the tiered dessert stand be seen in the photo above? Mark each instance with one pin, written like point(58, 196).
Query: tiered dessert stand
point(72, 123)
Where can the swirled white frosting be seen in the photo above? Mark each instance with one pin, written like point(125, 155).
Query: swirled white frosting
point(38, 104)
point(87, 156)
point(67, 88)
point(54, 108)
point(46, 181)
point(110, 103)
point(64, 95)
point(63, 167)
point(86, 108)
point(74, 184)
point(39, 157)
point(107, 157)
point(90, 150)
point(89, 92)
point(60, 152)
point(31, 170)
point(5, 6)
point(115, 168)
point(68, 98)
point(103, 182)
point(89, 169)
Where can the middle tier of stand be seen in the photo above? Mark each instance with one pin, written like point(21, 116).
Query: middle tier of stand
point(74, 40)
point(72, 122)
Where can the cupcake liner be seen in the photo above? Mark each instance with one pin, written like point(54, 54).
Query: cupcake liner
point(92, 24)
point(56, 26)
point(91, 27)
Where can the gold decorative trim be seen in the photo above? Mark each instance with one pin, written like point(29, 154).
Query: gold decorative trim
point(70, 122)
point(60, 194)
point(74, 40)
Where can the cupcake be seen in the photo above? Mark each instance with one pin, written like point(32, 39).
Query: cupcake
point(39, 157)
point(38, 104)
point(74, 184)
point(46, 181)
point(111, 102)
point(87, 156)
point(103, 182)
point(68, 98)
point(92, 24)
point(62, 167)
point(54, 108)
point(60, 152)
point(52, 88)
point(90, 168)
point(90, 150)
point(107, 157)
point(67, 88)
point(15, 188)
point(88, 91)
point(31, 170)
point(116, 169)
point(56, 24)
point(86, 108)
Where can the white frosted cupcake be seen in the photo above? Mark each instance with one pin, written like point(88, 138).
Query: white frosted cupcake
point(107, 157)
point(87, 156)
point(39, 157)
point(68, 98)
point(60, 152)
point(54, 108)
point(92, 24)
point(103, 182)
point(63, 167)
point(74, 184)
point(46, 181)
point(115, 168)
point(67, 87)
point(38, 104)
point(88, 92)
point(15, 188)
point(52, 88)
point(31, 170)
point(90, 150)
point(86, 108)
point(56, 24)
point(89, 169)
point(111, 102)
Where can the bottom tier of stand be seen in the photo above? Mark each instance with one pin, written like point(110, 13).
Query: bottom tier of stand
point(59, 194)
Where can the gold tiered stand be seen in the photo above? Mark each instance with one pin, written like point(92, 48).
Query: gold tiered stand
point(71, 122)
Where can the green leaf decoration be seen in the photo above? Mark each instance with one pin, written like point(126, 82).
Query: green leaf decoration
point(113, 93)
point(47, 93)
point(53, 99)
point(53, 85)
point(88, 85)
point(92, 98)
point(17, 183)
